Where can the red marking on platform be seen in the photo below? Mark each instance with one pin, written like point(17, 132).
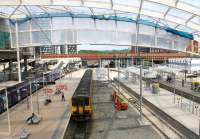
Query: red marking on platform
point(48, 90)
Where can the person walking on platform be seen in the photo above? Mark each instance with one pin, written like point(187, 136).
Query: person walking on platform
point(63, 96)
point(182, 83)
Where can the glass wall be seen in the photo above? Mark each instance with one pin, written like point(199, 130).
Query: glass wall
point(67, 30)
point(4, 34)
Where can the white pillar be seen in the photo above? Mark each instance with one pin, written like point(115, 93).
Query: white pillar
point(18, 54)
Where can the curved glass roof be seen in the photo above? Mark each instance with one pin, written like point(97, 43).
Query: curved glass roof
point(182, 15)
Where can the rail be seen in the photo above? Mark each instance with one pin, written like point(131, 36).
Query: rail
point(174, 123)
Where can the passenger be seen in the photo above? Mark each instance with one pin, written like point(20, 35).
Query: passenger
point(63, 96)
point(182, 83)
point(167, 78)
point(170, 79)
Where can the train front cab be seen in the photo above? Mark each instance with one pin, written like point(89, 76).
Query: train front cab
point(81, 108)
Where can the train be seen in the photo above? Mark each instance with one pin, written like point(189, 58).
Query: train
point(20, 91)
point(82, 98)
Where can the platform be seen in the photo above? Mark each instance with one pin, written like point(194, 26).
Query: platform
point(55, 115)
point(164, 100)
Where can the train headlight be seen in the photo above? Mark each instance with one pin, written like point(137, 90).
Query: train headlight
point(74, 109)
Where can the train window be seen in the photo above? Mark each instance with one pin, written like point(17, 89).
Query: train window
point(87, 101)
point(80, 101)
point(74, 102)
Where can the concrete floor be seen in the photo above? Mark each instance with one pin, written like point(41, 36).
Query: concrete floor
point(108, 123)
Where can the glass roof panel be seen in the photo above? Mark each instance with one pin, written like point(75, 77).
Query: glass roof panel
point(175, 19)
point(108, 1)
point(179, 14)
point(69, 2)
point(195, 20)
point(98, 11)
point(151, 9)
point(126, 8)
point(97, 4)
point(195, 3)
point(152, 13)
point(6, 9)
point(190, 8)
point(166, 2)
point(134, 3)
point(80, 10)
point(187, 29)
point(35, 9)
point(169, 24)
point(194, 26)
point(154, 7)
point(55, 9)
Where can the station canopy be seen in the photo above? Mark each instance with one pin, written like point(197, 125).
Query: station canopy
point(179, 15)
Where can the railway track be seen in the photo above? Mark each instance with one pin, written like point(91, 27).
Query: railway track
point(174, 125)
point(76, 130)
point(152, 114)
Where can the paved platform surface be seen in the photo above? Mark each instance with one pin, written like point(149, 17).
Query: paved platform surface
point(165, 101)
point(55, 115)
point(108, 123)
point(178, 85)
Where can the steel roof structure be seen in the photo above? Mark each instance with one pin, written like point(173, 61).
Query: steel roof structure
point(180, 15)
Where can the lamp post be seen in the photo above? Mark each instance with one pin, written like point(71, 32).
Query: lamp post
point(36, 84)
point(118, 76)
point(7, 107)
point(8, 112)
point(141, 92)
point(38, 107)
point(199, 127)
point(108, 72)
point(174, 88)
point(30, 92)
point(185, 70)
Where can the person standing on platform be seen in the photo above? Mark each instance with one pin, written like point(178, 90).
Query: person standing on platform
point(182, 83)
point(63, 96)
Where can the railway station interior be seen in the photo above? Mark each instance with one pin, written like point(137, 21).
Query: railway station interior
point(99, 69)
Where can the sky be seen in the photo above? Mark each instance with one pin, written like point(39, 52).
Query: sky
point(102, 47)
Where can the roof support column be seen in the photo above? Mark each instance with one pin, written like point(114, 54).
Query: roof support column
point(73, 32)
point(95, 26)
point(156, 38)
point(11, 40)
point(116, 31)
point(137, 32)
point(18, 54)
point(173, 43)
point(51, 31)
point(30, 31)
